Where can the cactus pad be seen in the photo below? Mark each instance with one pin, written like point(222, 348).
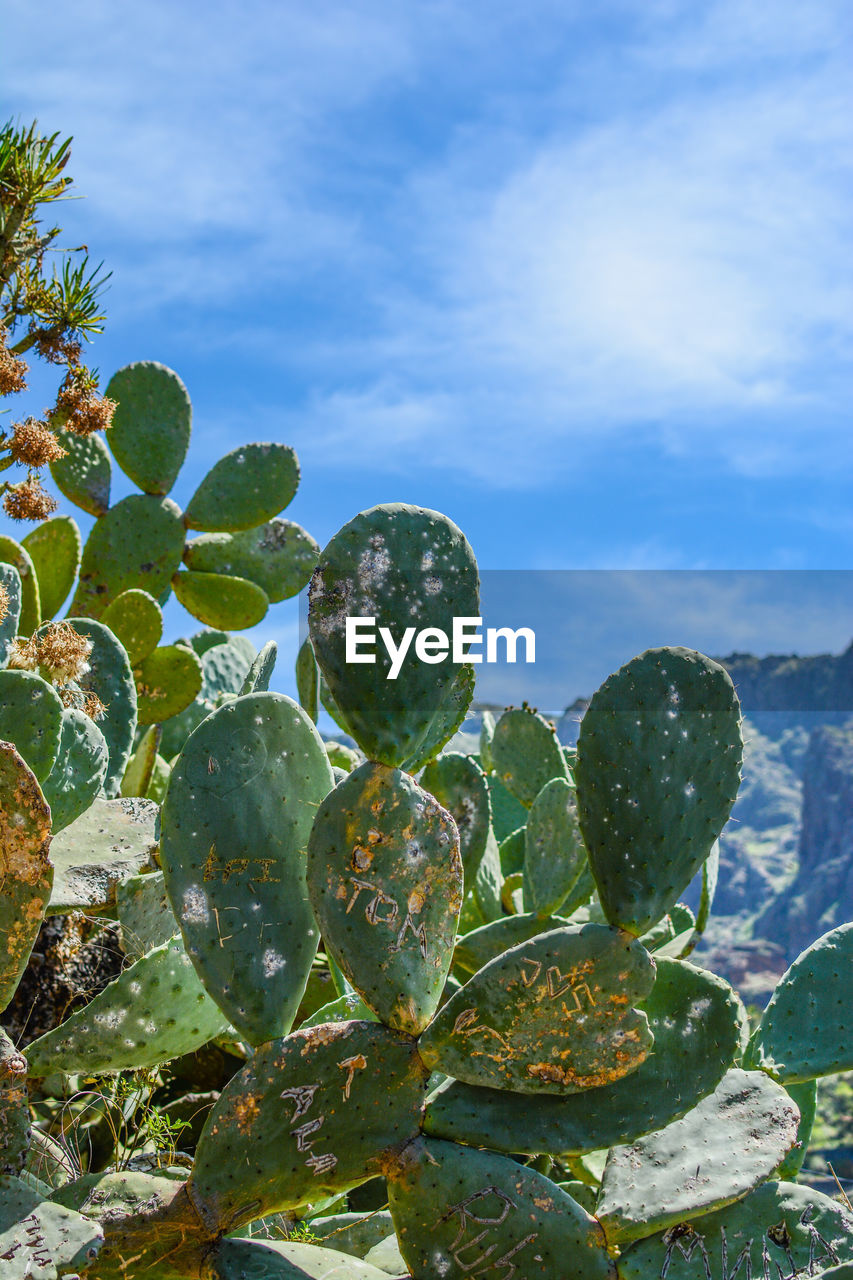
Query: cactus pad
point(399, 565)
point(697, 1022)
point(84, 475)
point(27, 874)
point(235, 825)
point(284, 1260)
point(459, 784)
point(806, 1030)
point(138, 543)
point(153, 1011)
point(688, 1169)
point(552, 1015)
point(448, 717)
point(554, 853)
point(40, 1240)
point(10, 581)
point(460, 1213)
point(477, 948)
point(657, 772)
point(110, 842)
point(31, 718)
point(136, 620)
point(18, 557)
point(307, 1116)
point(78, 774)
point(779, 1229)
point(526, 753)
point(279, 556)
point(248, 486)
point(111, 678)
point(15, 1128)
point(144, 913)
point(151, 426)
point(260, 672)
point(220, 601)
point(54, 548)
point(385, 880)
point(167, 681)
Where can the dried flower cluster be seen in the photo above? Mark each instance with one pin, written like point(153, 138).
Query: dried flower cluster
point(28, 500)
point(79, 407)
point(13, 369)
point(4, 602)
point(59, 651)
point(34, 444)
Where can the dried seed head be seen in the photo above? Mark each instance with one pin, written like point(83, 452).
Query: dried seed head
point(54, 347)
point(81, 408)
point(93, 707)
point(28, 500)
point(63, 652)
point(34, 444)
point(23, 654)
point(12, 369)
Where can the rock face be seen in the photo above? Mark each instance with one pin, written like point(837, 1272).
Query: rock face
point(821, 894)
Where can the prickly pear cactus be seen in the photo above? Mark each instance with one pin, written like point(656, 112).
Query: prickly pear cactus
point(385, 880)
point(235, 827)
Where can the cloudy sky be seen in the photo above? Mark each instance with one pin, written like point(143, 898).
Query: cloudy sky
point(578, 275)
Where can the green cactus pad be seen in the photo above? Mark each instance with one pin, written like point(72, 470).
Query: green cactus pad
point(806, 1030)
point(110, 842)
point(459, 784)
point(842, 1272)
point(552, 1015)
point(167, 681)
point(10, 581)
point(697, 1022)
point(554, 853)
point(487, 732)
point(159, 783)
point(144, 913)
point(308, 680)
point(151, 426)
point(54, 548)
point(235, 825)
point(220, 601)
point(140, 766)
point(387, 1257)
point(657, 773)
point(245, 488)
point(78, 774)
point(136, 620)
point(224, 667)
point(719, 1151)
point(804, 1097)
point(27, 873)
point(400, 565)
point(342, 757)
point(279, 556)
point(710, 875)
point(31, 718)
point(260, 672)
point(476, 949)
point(353, 1233)
point(385, 881)
point(284, 1260)
point(308, 1116)
point(508, 814)
point(153, 1011)
point(460, 1213)
point(526, 753)
point(346, 1008)
point(40, 1240)
point(138, 543)
point(780, 1229)
point(448, 718)
point(84, 475)
point(15, 1128)
point(111, 678)
point(488, 881)
point(18, 557)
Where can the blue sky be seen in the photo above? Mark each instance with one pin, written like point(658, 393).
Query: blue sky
point(577, 275)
